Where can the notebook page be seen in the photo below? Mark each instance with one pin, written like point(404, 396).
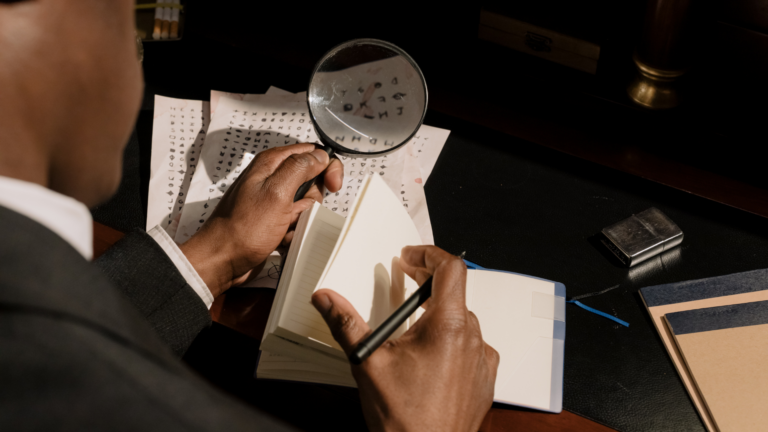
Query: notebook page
point(178, 135)
point(365, 267)
point(290, 264)
point(271, 361)
point(298, 315)
point(311, 377)
point(274, 366)
point(502, 303)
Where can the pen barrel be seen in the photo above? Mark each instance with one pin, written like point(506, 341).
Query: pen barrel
point(365, 348)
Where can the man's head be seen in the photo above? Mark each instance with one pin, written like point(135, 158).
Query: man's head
point(70, 89)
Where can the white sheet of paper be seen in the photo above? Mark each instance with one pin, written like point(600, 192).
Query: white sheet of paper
point(401, 170)
point(273, 91)
point(238, 132)
point(405, 174)
point(178, 134)
point(426, 146)
point(413, 186)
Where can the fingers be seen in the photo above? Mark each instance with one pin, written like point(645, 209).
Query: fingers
point(285, 168)
point(413, 265)
point(315, 193)
point(493, 358)
point(346, 325)
point(332, 179)
point(491, 355)
point(286, 242)
point(295, 169)
point(268, 161)
point(419, 274)
point(299, 207)
point(334, 175)
point(429, 257)
point(449, 273)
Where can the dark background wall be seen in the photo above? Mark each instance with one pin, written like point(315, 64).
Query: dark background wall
point(234, 44)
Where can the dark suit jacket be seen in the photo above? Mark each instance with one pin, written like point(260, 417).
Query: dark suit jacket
point(97, 347)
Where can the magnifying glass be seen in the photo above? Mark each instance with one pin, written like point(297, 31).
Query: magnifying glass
point(366, 98)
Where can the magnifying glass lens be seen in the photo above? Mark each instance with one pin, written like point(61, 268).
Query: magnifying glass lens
point(367, 97)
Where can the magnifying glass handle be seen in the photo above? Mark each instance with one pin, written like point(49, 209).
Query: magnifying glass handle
point(304, 188)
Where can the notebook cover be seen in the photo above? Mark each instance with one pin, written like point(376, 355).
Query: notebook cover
point(724, 349)
point(696, 294)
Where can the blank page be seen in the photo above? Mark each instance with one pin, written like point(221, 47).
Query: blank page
point(290, 263)
point(299, 316)
point(506, 307)
point(365, 267)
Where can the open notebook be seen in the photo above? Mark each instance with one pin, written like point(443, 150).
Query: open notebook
point(522, 317)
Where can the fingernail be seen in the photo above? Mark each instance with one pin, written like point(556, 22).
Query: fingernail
point(322, 303)
point(320, 155)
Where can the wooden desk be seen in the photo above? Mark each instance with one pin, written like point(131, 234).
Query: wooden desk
point(247, 311)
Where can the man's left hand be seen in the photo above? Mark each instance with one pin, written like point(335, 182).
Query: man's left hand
point(257, 214)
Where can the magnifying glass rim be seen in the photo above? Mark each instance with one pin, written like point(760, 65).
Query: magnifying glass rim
point(326, 140)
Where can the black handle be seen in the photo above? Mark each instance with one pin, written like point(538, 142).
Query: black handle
point(304, 188)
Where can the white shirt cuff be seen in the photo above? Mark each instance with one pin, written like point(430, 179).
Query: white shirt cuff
point(185, 268)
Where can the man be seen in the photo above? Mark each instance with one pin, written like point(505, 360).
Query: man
point(83, 347)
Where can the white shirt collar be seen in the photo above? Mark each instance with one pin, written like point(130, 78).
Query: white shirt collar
point(65, 216)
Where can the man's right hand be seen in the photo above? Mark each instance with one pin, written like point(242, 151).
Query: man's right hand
point(440, 374)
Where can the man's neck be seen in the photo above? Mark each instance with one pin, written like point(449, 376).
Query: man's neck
point(22, 159)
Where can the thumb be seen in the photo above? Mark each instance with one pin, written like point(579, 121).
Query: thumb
point(295, 170)
point(347, 327)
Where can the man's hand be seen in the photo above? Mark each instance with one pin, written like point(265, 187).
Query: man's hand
point(440, 374)
point(257, 214)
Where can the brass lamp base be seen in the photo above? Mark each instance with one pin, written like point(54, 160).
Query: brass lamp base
point(654, 88)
